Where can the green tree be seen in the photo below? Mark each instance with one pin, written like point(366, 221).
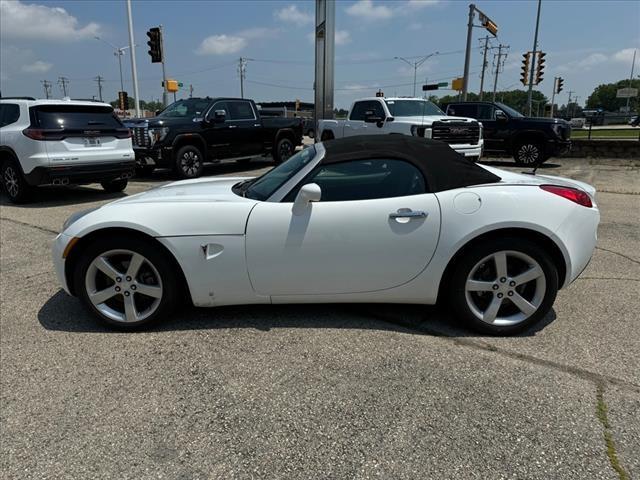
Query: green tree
point(604, 96)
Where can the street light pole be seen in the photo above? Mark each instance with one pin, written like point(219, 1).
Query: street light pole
point(633, 64)
point(533, 58)
point(117, 52)
point(417, 64)
point(467, 55)
point(134, 71)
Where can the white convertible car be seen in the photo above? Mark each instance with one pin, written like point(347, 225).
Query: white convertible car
point(392, 219)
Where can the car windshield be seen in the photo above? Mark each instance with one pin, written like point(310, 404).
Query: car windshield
point(412, 108)
point(264, 186)
point(192, 107)
point(510, 111)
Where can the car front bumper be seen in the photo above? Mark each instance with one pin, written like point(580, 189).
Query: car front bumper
point(475, 151)
point(78, 174)
point(59, 263)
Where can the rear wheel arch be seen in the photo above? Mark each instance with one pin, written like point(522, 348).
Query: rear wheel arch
point(8, 155)
point(194, 140)
point(284, 133)
point(327, 135)
point(72, 260)
point(549, 245)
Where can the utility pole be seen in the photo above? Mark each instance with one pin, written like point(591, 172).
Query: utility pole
point(553, 94)
point(165, 92)
point(242, 71)
point(499, 55)
point(533, 58)
point(568, 103)
point(99, 79)
point(633, 64)
point(190, 91)
point(484, 64)
point(63, 82)
point(134, 70)
point(47, 88)
point(467, 56)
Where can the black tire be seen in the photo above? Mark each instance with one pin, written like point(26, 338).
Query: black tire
point(326, 135)
point(189, 162)
point(14, 183)
point(115, 186)
point(529, 153)
point(284, 149)
point(153, 253)
point(459, 298)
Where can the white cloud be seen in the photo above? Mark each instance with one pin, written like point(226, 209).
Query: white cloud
point(417, 4)
point(39, 22)
point(586, 63)
point(293, 15)
point(37, 67)
point(258, 32)
point(221, 45)
point(625, 55)
point(365, 9)
point(415, 26)
point(342, 37)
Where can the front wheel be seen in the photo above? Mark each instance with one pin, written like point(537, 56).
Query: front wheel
point(284, 149)
point(126, 282)
point(115, 186)
point(503, 286)
point(529, 154)
point(189, 162)
point(14, 183)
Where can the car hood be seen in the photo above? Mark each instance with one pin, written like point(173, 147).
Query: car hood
point(197, 190)
point(429, 119)
point(513, 178)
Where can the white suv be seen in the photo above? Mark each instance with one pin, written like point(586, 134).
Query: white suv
point(62, 142)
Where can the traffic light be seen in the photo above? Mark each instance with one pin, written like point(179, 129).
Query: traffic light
point(432, 86)
point(155, 44)
point(540, 67)
point(379, 93)
point(559, 82)
point(123, 100)
point(524, 76)
point(488, 24)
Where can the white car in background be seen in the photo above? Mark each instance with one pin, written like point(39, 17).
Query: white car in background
point(62, 142)
point(407, 116)
point(363, 219)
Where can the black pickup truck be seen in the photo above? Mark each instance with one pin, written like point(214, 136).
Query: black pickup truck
point(530, 140)
point(193, 131)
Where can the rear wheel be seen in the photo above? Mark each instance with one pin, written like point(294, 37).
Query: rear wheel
point(503, 286)
point(189, 162)
point(115, 186)
point(126, 282)
point(284, 149)
point(529, 153)
point(14, 183)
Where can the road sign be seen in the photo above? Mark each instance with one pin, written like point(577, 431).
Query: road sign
point(627, 93)
point(433, 86)
point(457, 83)
point(443, 84)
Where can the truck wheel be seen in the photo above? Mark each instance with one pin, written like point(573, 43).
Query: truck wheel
point(284, 149)
point(189, 162)
point(529, 153)
point(326, 135)
point(13, 183)
point(115, 186)
point(144, 170)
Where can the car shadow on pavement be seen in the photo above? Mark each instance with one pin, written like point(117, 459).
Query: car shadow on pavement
point(210, 170)
point(65, 313)
point(46, 197)
point(510, 163)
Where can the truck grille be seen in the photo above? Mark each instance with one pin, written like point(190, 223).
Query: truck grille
point(456, 132)
point(140, 136)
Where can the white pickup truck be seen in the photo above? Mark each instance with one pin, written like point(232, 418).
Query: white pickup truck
point(406, 116)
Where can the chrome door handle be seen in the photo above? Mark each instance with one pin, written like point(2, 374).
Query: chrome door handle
point(233, 126)
point(408, 213)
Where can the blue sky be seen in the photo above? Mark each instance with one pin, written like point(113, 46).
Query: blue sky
point(587, 43)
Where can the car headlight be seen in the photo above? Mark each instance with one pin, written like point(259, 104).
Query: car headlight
point(158, 134)
point(75, 217)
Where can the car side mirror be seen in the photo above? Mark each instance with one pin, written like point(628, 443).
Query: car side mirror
point(308, 193)
point(501, 116)
point(219, 116)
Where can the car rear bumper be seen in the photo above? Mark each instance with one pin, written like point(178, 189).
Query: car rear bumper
point(77, 174)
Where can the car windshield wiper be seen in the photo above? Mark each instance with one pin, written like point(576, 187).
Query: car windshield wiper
point(244, 185)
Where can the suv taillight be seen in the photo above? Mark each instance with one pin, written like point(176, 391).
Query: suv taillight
point(123, 133)
point(575, 195)
point(42, 134)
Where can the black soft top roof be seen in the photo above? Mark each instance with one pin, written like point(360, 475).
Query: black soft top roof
point(442, 167)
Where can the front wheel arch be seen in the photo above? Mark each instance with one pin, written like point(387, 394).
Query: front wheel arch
point(76, 253)
point(550, 245)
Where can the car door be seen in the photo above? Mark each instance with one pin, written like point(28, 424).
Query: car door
point(356, 125)
point(246, 129)
point(375, 228)
point(487, 116)
point(218, 134)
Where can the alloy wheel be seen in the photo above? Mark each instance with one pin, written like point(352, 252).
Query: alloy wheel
point(124, 286)
point(505, 288)
point(11, 181)
point(190, 163)
point(528, 153)
point(285, 151)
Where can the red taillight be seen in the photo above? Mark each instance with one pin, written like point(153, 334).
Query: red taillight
point(34, 134)
point(123, 133)
point(577, 196)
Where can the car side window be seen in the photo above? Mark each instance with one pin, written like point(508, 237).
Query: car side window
point(220, 106)
point(463, 110)
point(365, 180)
point(9, 113)
point(240, 111)
point(486, 112)
point(360, 108)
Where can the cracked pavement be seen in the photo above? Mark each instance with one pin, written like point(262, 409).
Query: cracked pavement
point(322, 391)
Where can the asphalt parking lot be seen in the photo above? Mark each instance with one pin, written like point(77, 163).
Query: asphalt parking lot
point(328, 391)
